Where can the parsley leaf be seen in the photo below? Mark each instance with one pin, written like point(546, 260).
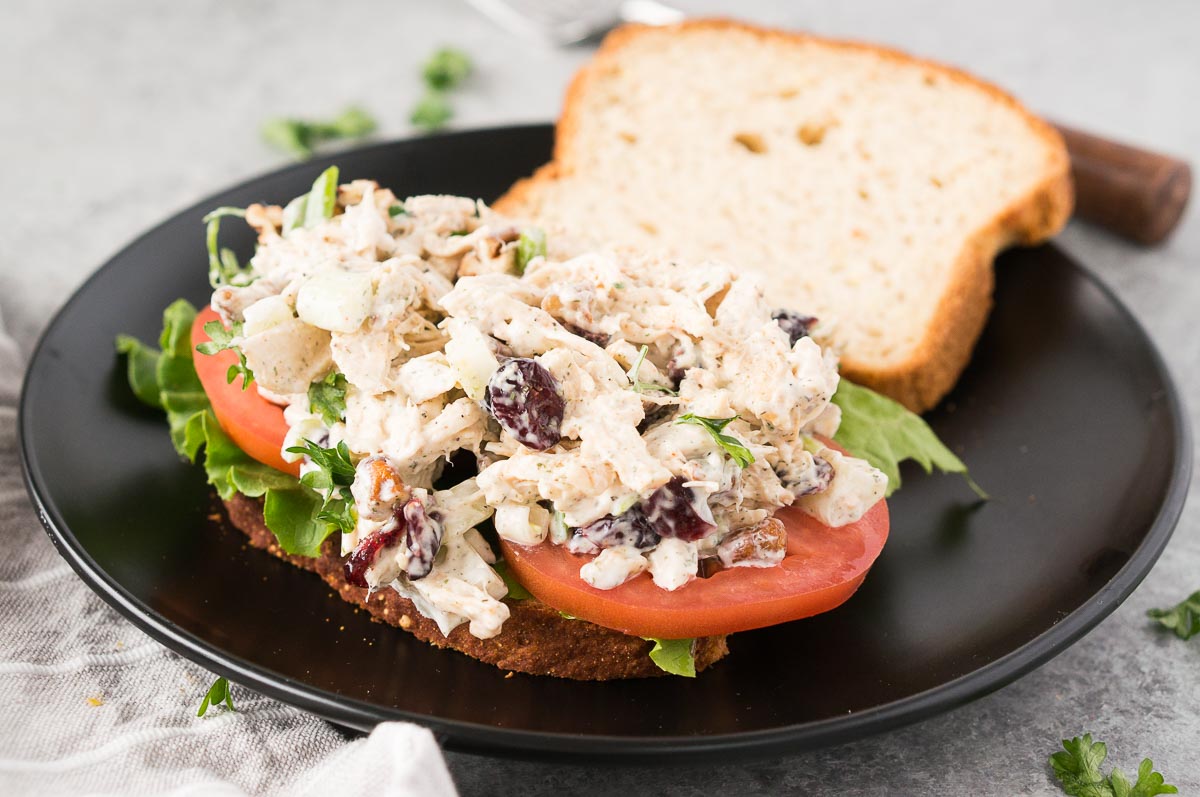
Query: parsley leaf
point(223, 266)
point(299, 137)
point(715, 427)
point(221, 339)
point(638, 386)
point(531, 244)
point(516, 590)
point(333, 481)
point(1183, 618)
point(446, 68)
point(328, 398)
point(673, 656)
point(884, 432)
point(1077, 767)
point(217, 694)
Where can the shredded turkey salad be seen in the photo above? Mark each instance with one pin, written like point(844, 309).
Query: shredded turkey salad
point(652, 413)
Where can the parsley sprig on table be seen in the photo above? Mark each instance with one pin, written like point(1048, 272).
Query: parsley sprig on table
point(300, 137)
point(1077, 767)
point(445, 70)
point(1183, 618)
point(217, 694)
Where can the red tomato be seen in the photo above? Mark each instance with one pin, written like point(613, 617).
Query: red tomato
point(255, 424)
point(823, 567)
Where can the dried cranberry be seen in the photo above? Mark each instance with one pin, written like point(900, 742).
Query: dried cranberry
point(808, 481)
point(628, 528)
point(795, 325)
point(671, 511)
point(368, 549)
point(599, 338)
point(523, 397)
point(424, 538)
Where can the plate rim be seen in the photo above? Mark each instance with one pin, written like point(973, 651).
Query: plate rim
point(487, 739)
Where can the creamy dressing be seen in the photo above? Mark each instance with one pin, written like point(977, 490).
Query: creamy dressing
point(418, 304)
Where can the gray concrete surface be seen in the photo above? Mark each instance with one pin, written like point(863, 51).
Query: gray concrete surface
point(116, 114)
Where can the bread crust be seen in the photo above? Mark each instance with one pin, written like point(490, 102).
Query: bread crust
point(931, 370)
point(536, 639)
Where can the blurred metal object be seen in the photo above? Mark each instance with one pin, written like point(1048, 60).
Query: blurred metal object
point(564, 22)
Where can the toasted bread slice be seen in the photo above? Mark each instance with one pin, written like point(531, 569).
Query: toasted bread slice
point(871, 189)
point(536, 639)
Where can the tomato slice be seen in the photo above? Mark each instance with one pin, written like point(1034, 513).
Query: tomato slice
point(255, 424)
point(823, 567)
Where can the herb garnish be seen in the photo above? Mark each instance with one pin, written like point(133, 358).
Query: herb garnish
point(221, 339)
point(716, 427)
point(217, 694)
point(327, 398)
point(674, 656)
point(333, 478)
point(1077, 767)
point(299, 137)
point(639, 386)
point(1183, 618)
point(223, 266)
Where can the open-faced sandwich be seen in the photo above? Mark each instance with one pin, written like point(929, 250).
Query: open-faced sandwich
point(593, 467)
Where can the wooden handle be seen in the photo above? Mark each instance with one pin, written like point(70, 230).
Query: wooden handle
point(1133, 192)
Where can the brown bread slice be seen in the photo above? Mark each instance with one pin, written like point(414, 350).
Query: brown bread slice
point(871, 189)
point(536, 639)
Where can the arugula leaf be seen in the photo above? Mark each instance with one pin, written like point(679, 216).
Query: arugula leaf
point(531, 244)
point(715, 427)
point(217, 694)
point(673, 656)
point(516, 590)
point(446, 68)
point(884, 433)
point(328, 398)
point(141, 369)
point(1183, 618)
point(431, 111)
point(299, 137)
point(637, 385)
point(221, 339)
point(1077, 767)
point(223, 266)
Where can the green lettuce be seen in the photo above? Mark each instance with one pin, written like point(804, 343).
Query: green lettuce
point(674, 656)
point(885, 433)
point(166, 378)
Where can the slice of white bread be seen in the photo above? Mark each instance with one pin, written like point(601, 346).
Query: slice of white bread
point(871, 189)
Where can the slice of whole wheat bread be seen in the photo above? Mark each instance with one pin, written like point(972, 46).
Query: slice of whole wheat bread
point(536, 639)
point(872, 189)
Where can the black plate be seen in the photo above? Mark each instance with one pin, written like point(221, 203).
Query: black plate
point(1066, 415)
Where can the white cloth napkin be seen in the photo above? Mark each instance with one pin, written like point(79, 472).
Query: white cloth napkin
point(91, 705)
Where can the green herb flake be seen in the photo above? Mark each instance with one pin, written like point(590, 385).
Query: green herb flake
point(322, 198)
point(1183, 618)
point(327, 398)
point(299, 137)
point(397, 210)
point(674, 656)
point(715, 427)
point(884, 433)
point(1077, 767)
point(531, 244)
point(516, 590)
point(217, 694)
point(446, 69)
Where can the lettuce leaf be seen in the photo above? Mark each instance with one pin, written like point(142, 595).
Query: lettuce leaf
point(885, 433)
point(167, 379)
point(674, 656)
